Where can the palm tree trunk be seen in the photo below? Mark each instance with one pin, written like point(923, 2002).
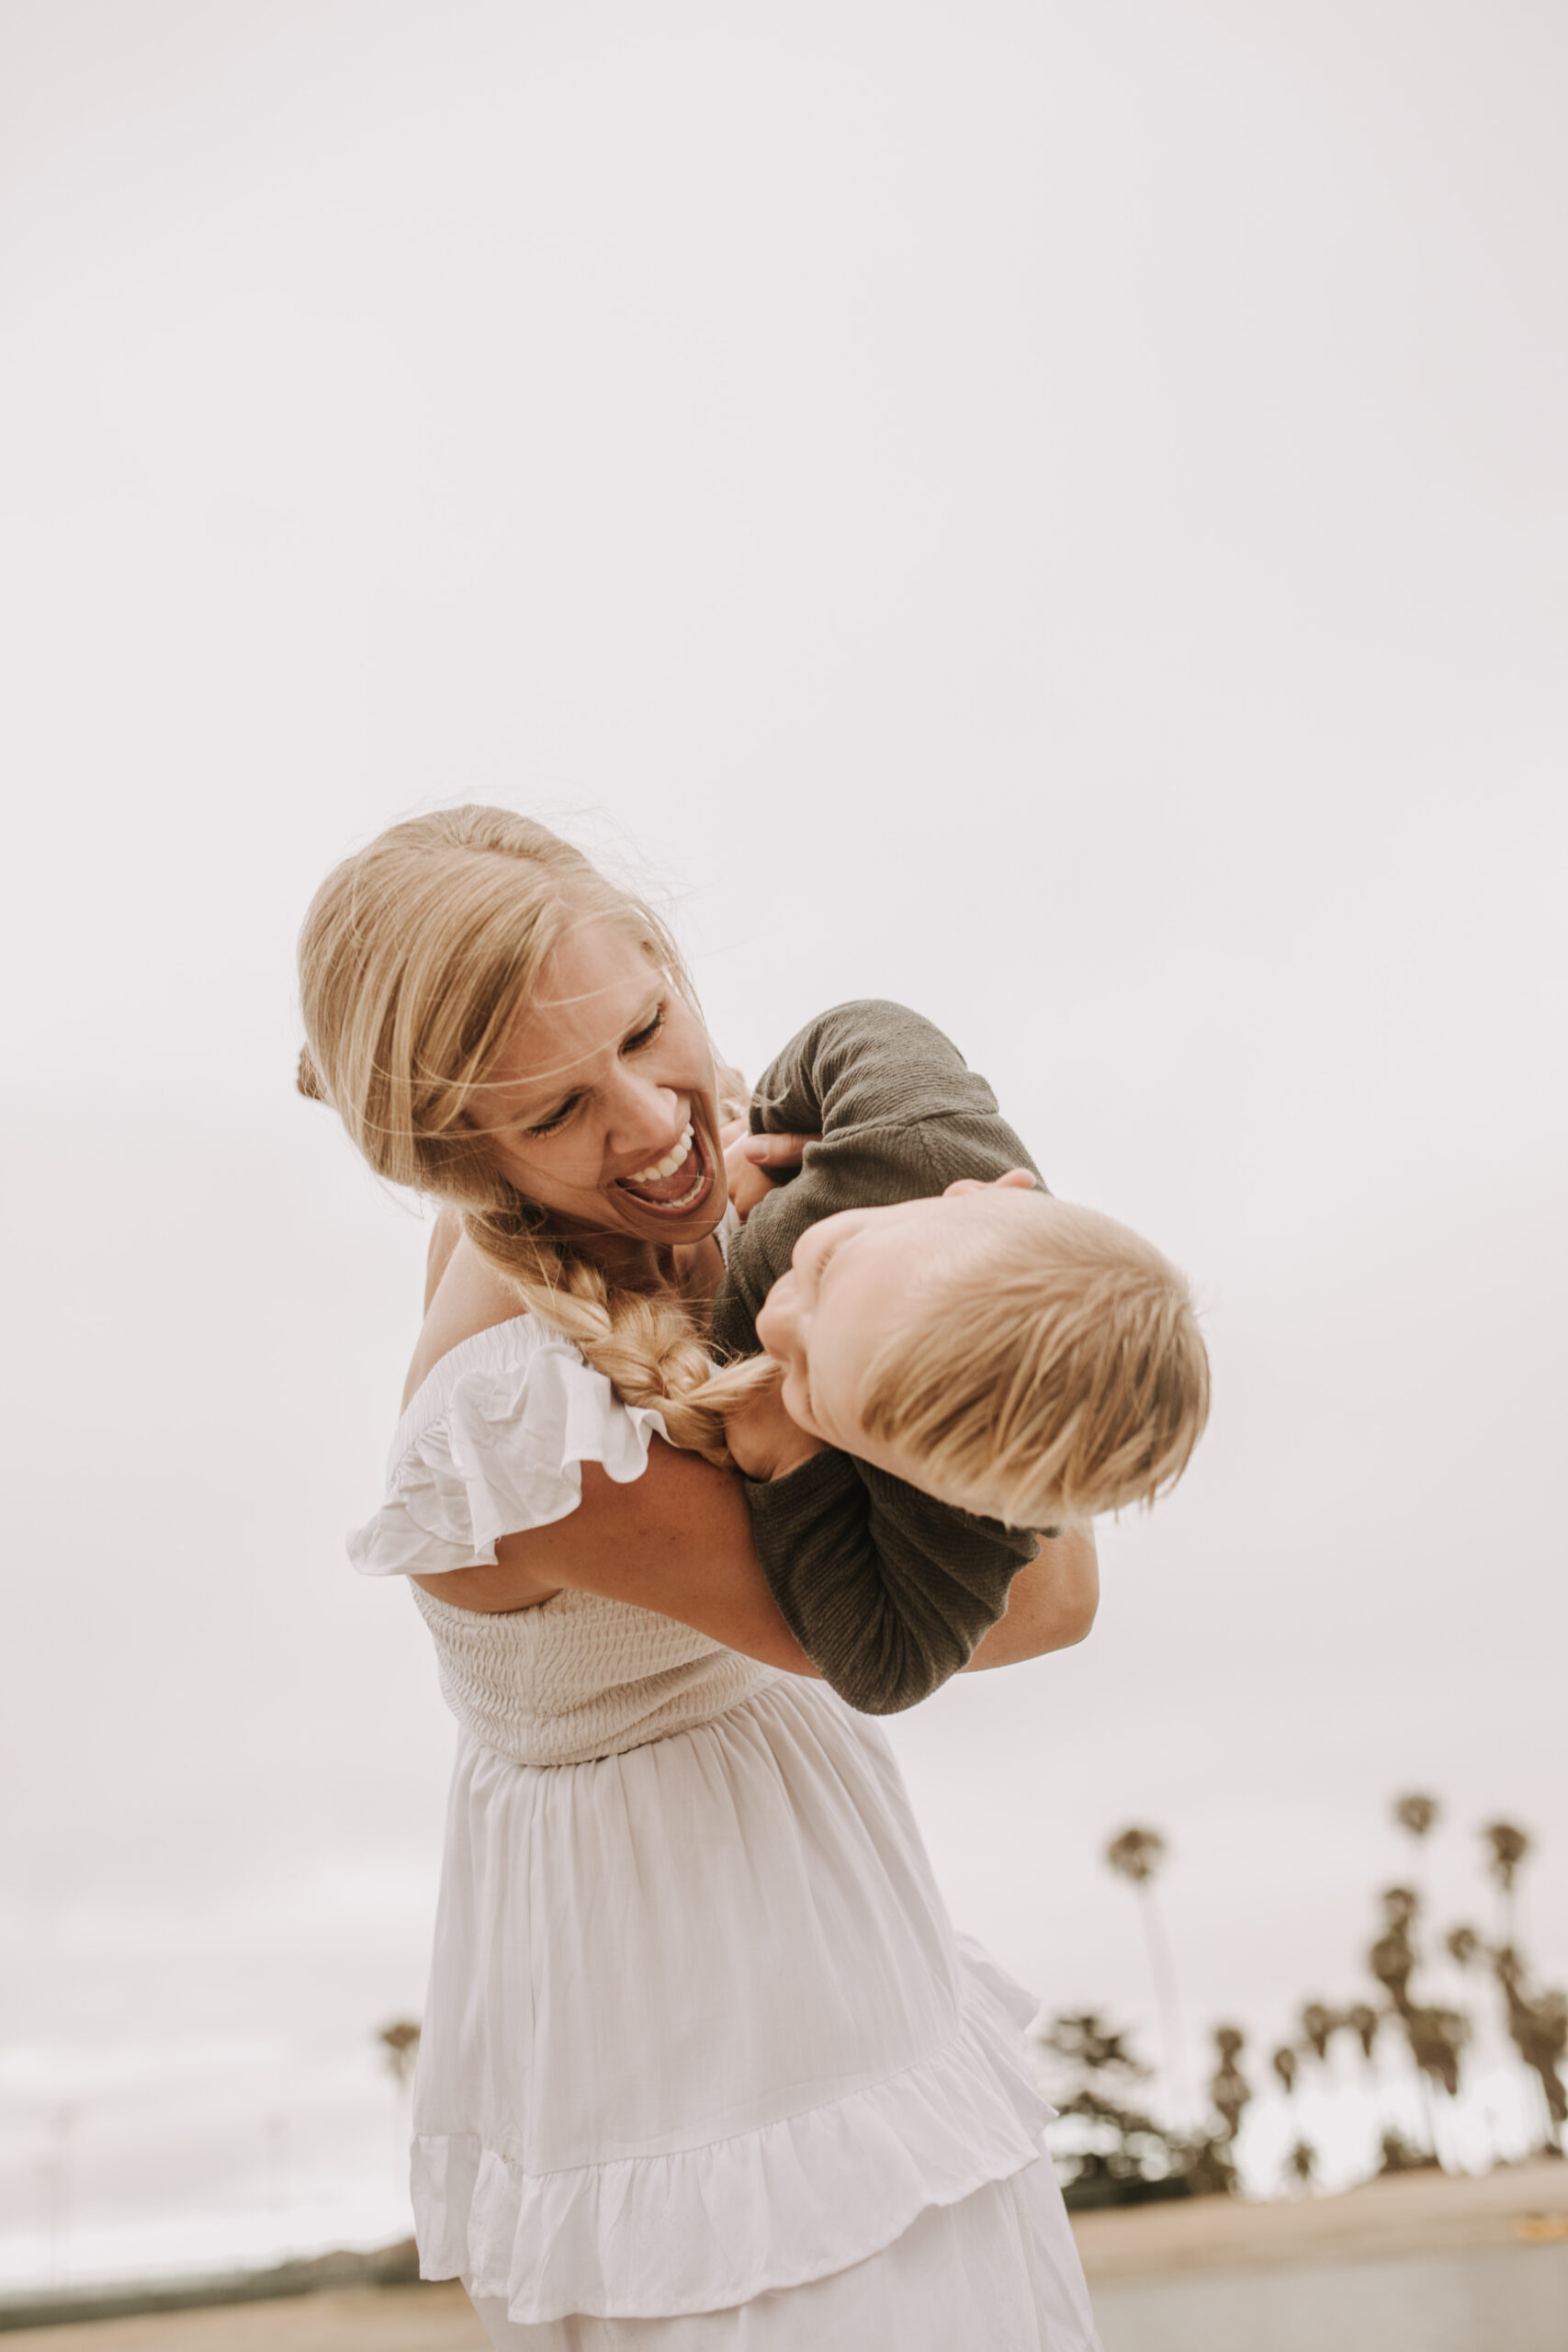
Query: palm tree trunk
point(1163, 1973)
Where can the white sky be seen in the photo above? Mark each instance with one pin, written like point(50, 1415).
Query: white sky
point(1055, 514)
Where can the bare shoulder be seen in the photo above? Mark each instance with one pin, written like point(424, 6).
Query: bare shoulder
point(444, 1236)
point(470, 1296)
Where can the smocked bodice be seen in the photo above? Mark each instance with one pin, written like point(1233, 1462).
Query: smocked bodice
point(492, 1443)
point(580, 1676)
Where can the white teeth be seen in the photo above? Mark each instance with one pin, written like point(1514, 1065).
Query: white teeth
point(665, 1166)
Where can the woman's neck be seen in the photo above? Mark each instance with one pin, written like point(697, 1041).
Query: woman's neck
point(691, 1270)
point(628, 1264)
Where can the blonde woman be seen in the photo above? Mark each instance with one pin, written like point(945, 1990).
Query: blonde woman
point(704, 2068)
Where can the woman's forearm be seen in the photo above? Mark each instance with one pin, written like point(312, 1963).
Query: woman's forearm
point(1051, 1603)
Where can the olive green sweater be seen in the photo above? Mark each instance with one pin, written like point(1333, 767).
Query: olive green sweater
point(886, 1591)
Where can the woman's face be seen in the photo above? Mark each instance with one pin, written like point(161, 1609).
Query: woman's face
point(602, 1106)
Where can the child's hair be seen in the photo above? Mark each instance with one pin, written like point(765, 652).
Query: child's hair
point(416, 957)
point(1048, 1369)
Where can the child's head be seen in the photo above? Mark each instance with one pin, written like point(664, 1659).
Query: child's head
point(1022, 1358)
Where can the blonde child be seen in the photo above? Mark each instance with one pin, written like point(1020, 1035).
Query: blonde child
point(962, 1361)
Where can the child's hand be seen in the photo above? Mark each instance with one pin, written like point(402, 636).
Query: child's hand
point(763, 1440)
point(1017, 1180)
point(747, 1158)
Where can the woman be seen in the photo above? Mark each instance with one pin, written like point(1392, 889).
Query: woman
point(703, 2065)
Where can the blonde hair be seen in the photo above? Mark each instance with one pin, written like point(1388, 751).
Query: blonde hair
point(1048, 1367)
point(416, 957)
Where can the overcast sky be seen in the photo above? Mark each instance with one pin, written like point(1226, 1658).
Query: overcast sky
point(1054, 514)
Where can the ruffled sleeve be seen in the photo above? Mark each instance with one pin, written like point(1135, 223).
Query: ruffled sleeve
point(494, 1442)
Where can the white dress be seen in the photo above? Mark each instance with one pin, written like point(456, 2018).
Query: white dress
point(704, 2064)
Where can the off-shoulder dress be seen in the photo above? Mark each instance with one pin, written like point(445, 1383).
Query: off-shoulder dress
point(704, 2068)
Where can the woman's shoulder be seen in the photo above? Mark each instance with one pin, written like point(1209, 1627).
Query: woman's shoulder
point(502, 1411)
point(472, 1297)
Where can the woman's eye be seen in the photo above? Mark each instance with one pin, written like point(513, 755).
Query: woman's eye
point(549, 1126)
point(646, 1036)
point(632, 1045)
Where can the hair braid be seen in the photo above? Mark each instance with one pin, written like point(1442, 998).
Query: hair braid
point(645, 1345)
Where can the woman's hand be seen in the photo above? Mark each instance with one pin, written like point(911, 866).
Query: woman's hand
point(763, 1442)
point(1051, 1603)
point(749, 1157)
point(1017, 1180)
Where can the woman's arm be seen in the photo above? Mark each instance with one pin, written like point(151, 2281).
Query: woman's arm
point(677, 1539)
point(1051, 1603)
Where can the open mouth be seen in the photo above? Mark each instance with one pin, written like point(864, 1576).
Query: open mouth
point(676, 1185)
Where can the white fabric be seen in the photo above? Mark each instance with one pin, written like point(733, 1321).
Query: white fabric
point(555, 1685)
point(986, 2276)
point(700, 2040)
point(493, 1443)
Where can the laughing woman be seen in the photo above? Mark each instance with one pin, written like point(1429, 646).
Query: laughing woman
point(704, 2068)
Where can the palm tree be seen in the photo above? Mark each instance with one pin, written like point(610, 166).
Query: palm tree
point(1537, 2028)
point(1437, 2037)
point(1121, 2148)
point(1416, 1813)
point(1392, 1958)
point(1400, 2155)
point(1509, 1846)
point(1136, 1855)
point(1318, 2021)
point(1228, 2087)
point(399, 2044)
point(1463, 1946)
point(1362, 2019)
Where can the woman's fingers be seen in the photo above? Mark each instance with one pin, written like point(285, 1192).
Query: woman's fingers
point(777, 1152)
point(750, 1162)
point(1018, 1179)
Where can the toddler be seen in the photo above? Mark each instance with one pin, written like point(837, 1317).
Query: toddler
point(970, 1359)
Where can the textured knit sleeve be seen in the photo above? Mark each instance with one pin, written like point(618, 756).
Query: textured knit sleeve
point(886, 1591)
point(901, 1116)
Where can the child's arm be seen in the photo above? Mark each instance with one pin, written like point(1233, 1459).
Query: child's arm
point(898, 1115)
point(888, 1591)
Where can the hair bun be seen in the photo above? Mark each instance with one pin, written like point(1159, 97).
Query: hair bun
point(307, 1078)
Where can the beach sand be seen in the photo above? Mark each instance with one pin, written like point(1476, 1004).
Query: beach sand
point(1172, 2274)
point(1407, 2214)
point(348, 2319)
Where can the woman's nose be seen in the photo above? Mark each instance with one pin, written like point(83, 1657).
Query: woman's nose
point(644, 1115)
